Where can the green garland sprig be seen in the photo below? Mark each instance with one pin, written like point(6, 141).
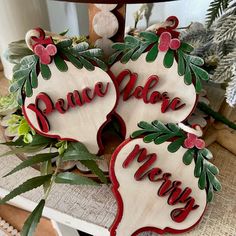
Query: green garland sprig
point(205, 171)
point(25, 74)
point(189, 66)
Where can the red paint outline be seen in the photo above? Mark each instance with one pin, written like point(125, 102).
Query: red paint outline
point(115, 187)
point(99, 133)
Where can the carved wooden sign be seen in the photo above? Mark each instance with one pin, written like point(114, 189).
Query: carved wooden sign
point(67, 97)
point(72, 105)
point(154, 189)
point(157, 77)
point(149, 91)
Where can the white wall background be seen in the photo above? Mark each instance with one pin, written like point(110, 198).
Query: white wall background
point(75, 16)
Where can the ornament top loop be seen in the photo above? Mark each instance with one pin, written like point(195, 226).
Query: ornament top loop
point(196, 130)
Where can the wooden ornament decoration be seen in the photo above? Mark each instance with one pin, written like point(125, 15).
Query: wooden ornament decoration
point(69, 98)
point(156, 76)
point(157, 185)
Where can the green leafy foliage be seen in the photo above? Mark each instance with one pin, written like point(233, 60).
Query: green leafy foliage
point(158, 133)
point(77, 151)
point(33, 220)
point(80, 55)
point(215, 10)
point(93, 167)
point(24, 79)
point(25, 187)
point(204, 170)
point(133, 47)
point(8, 104)
point(73, 179)
point(190, 67)
point(32, 160)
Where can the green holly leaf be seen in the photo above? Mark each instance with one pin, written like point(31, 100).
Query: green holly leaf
point(198, 85)
point(148, 127)
point(25, 187)
point(149, 36)
point(65, 43)
point(80, 47)
point(186, 47)
point(181, 63)
point(200, 73)
point(113, 57)
point(175, 145)
point(88, 65)
point(198, 166)
point(32, 160)
point(100, 63)
point(73, 179)
point(119, 46)
point(137, 133)
point(210, 193)
point(139, 51)
point(126, 57)
point(45, 71)
point(60, 64)
point(91, 53)
point(163, 138)
point(202, 179)
point(34, 78)
point(75, 61)
point(169, 58)
point(152, 54)
point(150, 137)
point(33, 220)
point(188, 76)
point(194, 60)
point(214, 181)
point(188, 156)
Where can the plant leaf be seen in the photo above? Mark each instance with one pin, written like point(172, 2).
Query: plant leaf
point(75, 61)
point(188, 156)
point(73, 179)
point(202, 179)
point(60, 63)
point(198, 166)
point(137, 133)
point(188, 76)
point(113, 57)
point(148, 127)
point(74, 155)
point(149, 36)
point(150, 137)
point(25, 187)
point(87, 64)
point(209, 193)
point(65, 43)
point(92, 165)
point(45, 71)
point(152, 54)
point(175, 145)
point(181, 63)
point(169, 58)
point(33, 220)
point(126, 57)
point(139, 52)
point(32, 161)
point(34, 78)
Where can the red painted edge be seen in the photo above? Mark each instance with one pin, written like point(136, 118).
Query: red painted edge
point(99, 134)
point(115, 187)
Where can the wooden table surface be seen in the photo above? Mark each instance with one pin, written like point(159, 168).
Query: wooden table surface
point(93, 209)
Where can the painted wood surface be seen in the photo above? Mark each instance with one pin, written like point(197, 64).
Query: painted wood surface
point(81, 123)
point(134, 110)
point(141, 205)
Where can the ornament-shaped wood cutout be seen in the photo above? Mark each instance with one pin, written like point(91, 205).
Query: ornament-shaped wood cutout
point(69, 98)
point(161, 186)
point(156, 78)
